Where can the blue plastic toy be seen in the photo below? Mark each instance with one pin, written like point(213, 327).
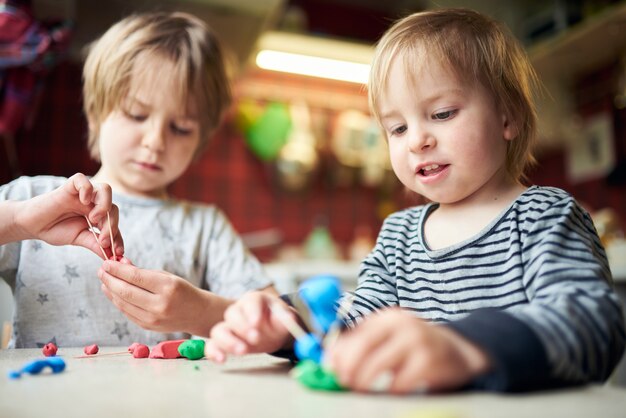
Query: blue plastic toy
point(57, 364)
point(320, 294)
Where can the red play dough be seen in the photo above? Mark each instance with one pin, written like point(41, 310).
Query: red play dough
point(132, 347)
point(49, 350)
point(141, 351)
point(166, 349)
point(91, 349)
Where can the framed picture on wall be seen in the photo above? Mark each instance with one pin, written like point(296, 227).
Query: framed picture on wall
point(591, 153)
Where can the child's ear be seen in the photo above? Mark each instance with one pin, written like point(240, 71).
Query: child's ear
point(509, 128)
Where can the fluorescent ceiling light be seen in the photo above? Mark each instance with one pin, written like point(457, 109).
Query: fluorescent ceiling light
point(316, 57)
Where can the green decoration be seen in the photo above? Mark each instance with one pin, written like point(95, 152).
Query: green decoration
point(313, 376)
point(267, 135)
point(192, 349)
point(319, 245)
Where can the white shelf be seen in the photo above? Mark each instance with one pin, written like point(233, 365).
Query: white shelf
point(592, 43)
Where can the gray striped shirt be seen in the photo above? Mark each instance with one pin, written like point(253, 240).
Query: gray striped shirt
point(539, 262)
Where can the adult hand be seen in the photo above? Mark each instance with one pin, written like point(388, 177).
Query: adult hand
point(419, 356)
point(249, 326)
point(58, 217)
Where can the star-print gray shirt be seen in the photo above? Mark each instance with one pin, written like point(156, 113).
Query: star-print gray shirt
point(57, 291)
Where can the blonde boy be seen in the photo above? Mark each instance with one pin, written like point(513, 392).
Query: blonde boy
point(501, 286)
point(155, 88)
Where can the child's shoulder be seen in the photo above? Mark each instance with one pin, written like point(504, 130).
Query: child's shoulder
point(544, 198)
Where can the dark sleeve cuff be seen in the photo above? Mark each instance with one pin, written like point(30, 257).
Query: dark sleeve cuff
point(518, 358)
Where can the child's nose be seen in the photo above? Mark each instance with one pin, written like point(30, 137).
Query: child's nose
point(420, 141)
point(154, 138)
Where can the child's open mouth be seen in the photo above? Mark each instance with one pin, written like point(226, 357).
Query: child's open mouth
point(431, 170)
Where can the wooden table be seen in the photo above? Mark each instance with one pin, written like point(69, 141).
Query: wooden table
point(251, 386)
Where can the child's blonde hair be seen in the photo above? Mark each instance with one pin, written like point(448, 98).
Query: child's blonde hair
point(477, 49)
point(184, 40)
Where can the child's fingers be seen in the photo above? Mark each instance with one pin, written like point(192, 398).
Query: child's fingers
point(352, 350)
point(236, 316)
point(124, 290)
point(410, 376)
point(213, 353)
point(147, 280)
point(385, 357)
point(132, 312)
point(256, 311)
point(227, 341)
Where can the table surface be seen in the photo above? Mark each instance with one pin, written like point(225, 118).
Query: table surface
point(251, 386)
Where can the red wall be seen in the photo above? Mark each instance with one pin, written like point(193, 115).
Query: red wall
point(230, 176)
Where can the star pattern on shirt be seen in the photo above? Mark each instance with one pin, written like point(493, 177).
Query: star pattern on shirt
point(82, 314)
point(43, 298)
point(121, 330)
point(36, 245)
point(70, 273)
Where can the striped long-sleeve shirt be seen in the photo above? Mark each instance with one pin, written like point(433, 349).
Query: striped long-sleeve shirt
point(533, 289)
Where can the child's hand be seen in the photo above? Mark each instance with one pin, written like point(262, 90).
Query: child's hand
point(420, 356)
point(249, 327)
point(58, 217)
point(160, 301)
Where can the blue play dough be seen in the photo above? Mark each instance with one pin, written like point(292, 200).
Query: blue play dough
point(57, 364)
point(321, 294)
point(309, 347)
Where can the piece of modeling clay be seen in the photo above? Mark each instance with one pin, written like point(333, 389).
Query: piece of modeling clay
point(91, 349)
point(141, 351)
point(192, 349)
point(132, 347)
point(49, 350)
point(56, 364)
point(166, 349)
point(312, 375)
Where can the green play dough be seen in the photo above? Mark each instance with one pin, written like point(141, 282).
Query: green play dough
point(192, 349)
point(312, 375)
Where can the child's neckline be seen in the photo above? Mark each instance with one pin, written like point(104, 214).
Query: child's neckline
point(479, 236)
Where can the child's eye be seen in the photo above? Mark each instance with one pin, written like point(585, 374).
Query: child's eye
point(398, 131)
point(444, 115)
point(180, 131)
point(135, 116)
